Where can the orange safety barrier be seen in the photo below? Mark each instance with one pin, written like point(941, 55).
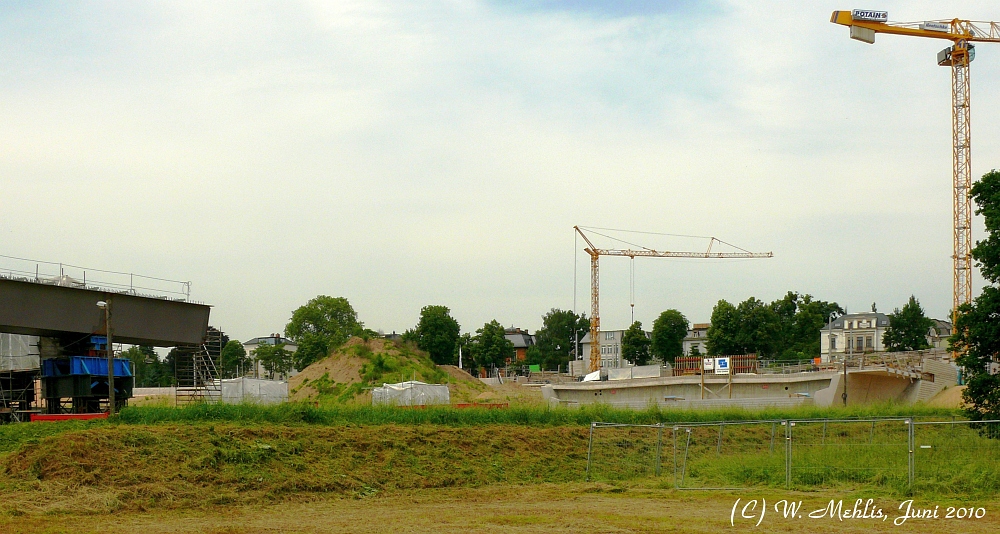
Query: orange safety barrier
point(42, 417)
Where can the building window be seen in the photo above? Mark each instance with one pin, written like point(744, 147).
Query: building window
point(694, 347)
point(869, 342)
point(849, 344)
point(609, 335)
point(833, 342)
point(859, 342)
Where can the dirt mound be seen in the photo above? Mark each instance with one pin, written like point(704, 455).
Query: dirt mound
point(340, 367)
point(456, 373)
point(349, 373)
point(948, 398)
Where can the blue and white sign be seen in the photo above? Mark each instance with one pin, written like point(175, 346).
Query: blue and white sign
point(722, 366)
point(870, 15)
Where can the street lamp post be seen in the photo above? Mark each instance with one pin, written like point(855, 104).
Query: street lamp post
point(106, 306)
point(829, 337)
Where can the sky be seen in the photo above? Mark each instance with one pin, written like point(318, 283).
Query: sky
point(404, 154)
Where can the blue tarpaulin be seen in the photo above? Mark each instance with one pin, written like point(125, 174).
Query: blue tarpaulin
point(84, 365)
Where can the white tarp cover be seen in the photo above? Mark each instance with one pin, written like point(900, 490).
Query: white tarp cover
point(237, 390)
point(592, 377)
point(411, 393)
point(18, 353)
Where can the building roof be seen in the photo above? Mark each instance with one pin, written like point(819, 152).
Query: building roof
point(700, 326)
point(269, 340)
point(942, 328)
point(881, 319)
point(521, 339)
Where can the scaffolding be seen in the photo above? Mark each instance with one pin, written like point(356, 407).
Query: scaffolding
point(196, 374)
point(19, 372)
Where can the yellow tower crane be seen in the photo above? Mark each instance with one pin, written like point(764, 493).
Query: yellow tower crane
point(595, 300)
point(962, 33)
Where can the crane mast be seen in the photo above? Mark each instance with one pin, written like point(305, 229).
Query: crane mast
point(962, 33)
point(595, 255)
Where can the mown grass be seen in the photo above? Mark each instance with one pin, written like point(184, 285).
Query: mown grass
point(207, 455)
point(171, 464)
point(306, 413)
point(949, 459)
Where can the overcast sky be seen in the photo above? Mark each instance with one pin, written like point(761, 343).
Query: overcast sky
point(401, 154)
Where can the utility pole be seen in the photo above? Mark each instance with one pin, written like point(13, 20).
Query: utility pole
point(106, 306)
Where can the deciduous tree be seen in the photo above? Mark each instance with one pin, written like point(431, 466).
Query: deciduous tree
point(556, 339)
point(669, 331)
point(274, 359)
point(233, 359)
point(489, 346)
point(907, 328)
point(635, 345)
point(437, 333)
point(978, 324)
point(321, 325)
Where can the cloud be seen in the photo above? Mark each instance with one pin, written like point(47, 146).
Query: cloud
point(404, 154)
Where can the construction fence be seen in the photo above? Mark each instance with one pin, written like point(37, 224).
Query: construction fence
point(897, 452)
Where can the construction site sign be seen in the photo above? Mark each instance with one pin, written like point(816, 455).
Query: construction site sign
point(722, 366)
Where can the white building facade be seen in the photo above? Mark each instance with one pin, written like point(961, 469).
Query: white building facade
point(611, 349)
point(854, 333)
point(696, 341)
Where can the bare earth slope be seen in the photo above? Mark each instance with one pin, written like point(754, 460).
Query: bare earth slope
point(349, 373)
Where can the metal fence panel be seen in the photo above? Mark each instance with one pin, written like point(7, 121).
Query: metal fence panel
point(621, 452)
point(836, 452)
point(899, 453)
point(727, 454)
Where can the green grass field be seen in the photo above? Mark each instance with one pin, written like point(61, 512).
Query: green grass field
point(208, 458)
point(306, 413)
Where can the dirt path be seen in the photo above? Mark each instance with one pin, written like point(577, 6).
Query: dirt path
point(549, 508)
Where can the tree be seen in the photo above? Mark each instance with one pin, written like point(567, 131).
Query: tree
point(669, 331)
point(722, 334)
point(907, 328)
point(760, 328)
point(810, 318)
point(787, 328)
point(274, 358)
point(490, 348)
point(800, 318)
point(635, 345)
point(557, 338)
point(321, 325)
point(233, 360)
point(750, 328)
point(977, 336)
point(437, 333)
point(148, 370)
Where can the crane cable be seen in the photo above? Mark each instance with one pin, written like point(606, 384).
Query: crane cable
point(632, 289)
